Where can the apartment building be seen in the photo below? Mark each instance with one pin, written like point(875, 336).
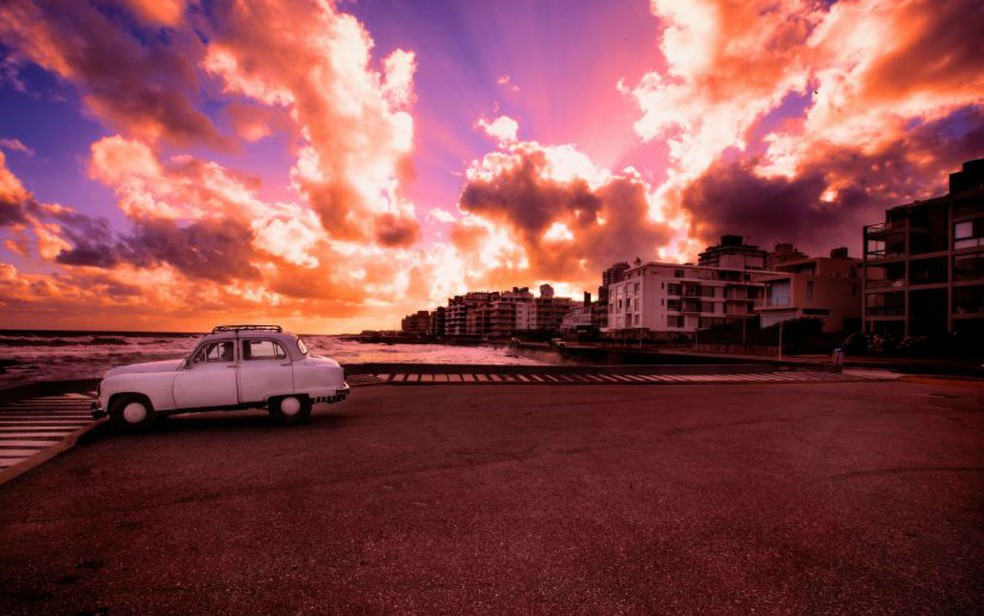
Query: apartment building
point(550, 310)
point(457, 320)
point(827, 288)
point(438, 319)
point(494, 314)
point(924, 265)
point(417, 324)
point(672, 298)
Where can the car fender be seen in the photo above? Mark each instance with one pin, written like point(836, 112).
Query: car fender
point(316, 374)
point(156, 386)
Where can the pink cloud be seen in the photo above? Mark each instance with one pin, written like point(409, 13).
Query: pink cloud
point(140, 86)
point(15, 145)
point(352, 118)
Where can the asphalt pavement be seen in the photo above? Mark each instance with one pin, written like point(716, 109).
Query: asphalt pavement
point(812, 498)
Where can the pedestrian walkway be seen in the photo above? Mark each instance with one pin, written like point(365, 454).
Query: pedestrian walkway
point(35, 429)
point(410, 377)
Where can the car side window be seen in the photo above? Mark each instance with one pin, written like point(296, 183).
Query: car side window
point(219, 352)
point(262, 349)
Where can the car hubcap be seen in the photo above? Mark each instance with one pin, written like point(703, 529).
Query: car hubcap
point(290, 406)
point(134, 412)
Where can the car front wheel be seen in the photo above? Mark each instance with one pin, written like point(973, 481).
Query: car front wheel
point(131, 412)
point(291, 409)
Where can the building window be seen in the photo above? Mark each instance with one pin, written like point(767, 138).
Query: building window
point(673, 289)
point(674, 321)
point(968, 267)
point(809, 290)
point(637, 288)
point(968, 234)
point(636, 320)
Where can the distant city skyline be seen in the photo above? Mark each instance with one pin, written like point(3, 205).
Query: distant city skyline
point(335, 165)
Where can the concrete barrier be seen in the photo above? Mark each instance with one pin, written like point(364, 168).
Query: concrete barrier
point(667, 369)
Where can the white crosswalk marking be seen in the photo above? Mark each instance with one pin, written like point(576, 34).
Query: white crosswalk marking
point(31, 427)
point(601, 378)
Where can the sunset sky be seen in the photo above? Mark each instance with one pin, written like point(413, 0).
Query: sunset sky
point(332, 166)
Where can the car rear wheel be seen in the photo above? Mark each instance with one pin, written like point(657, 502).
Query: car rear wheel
point(130, 412)
point(291, 409)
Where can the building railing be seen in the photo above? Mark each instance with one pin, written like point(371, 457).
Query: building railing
point(883, 255)
point(891, 311)
point(881, 227)
point(884, 284)
point(774, 302)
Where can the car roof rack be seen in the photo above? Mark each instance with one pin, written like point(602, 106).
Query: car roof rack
point(237, 328)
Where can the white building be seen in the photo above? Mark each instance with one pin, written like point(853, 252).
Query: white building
point(672, 298)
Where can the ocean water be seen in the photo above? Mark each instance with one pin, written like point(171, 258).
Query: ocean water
point(27, 357)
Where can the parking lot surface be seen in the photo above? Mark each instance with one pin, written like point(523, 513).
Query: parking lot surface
point(813, 498)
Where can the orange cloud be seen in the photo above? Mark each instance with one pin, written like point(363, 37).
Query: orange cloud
point(158, 12)
point(564, 219)
point(873, 79)
point(12, 196)
point(352, 118)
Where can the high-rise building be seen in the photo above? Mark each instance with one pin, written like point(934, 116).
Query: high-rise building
point(924, 265)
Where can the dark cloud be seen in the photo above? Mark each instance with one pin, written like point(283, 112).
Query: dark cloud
point(219, 251)
point(731, 198)
point(393, 231)
point(944, 50)
point(608, 224)
point(216, 250)
point(11, 213)
point(141, 81)
point(527, 200)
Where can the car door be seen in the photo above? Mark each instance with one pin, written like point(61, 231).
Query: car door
point(209, 378)
point(265, 370)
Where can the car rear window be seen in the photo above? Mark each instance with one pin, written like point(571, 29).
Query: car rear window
point(262, 349)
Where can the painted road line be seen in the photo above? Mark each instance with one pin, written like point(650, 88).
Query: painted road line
point(35, 430)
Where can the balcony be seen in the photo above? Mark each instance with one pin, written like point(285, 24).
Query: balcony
point(884, 255)
point(891, 228)
point(774, 302)
point(884, 284)
point(883, 229)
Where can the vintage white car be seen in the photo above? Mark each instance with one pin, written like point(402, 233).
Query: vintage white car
point(234, 367)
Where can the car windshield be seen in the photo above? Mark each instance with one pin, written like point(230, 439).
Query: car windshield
point(302, 347)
